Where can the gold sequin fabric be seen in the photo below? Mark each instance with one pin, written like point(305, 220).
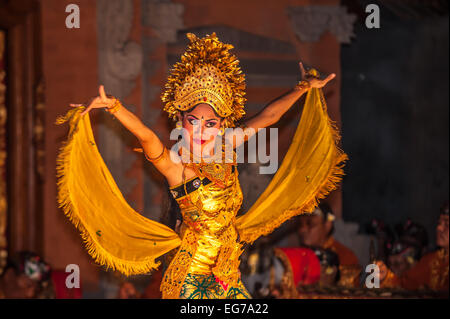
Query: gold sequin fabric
point(210, 244)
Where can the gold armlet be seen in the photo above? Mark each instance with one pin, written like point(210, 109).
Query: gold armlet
point(115, 107)
point(303, 85)
point(158, 158)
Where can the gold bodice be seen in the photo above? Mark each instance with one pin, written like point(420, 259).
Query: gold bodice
point(210, 212)
point(209, 203)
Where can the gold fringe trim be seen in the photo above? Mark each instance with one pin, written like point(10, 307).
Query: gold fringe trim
point(330, 184)
point(95, 250)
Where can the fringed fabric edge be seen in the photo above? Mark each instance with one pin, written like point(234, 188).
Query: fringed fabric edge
point(95, 250)
point(330, 184)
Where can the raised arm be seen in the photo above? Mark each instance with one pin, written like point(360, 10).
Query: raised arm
point(152, 145)
point(275, 110)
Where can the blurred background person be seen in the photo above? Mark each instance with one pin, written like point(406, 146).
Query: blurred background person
point(299, 268)
point(316, 231)
point(382, 239)
point(27, 275)
point(292, 268)
point(431, 271)
point(149, 289)
point(410, 246)
point(258, 267)
point(128, 291)
point(329, 267)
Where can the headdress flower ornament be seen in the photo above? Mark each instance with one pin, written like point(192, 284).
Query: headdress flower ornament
point(208, 73)
point(330, 216)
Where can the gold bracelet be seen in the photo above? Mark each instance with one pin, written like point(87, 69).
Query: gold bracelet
point(303, 85)
point(116, 106)
point(157, 158)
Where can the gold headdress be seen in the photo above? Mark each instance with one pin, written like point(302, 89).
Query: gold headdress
point(208, 73)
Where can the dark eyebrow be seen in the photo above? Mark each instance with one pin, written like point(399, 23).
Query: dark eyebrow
point(211, 119)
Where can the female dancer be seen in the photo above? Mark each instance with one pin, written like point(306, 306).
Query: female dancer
point(205, 94)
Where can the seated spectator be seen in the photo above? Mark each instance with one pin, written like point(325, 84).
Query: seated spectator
point(402, 257)
point(26, 276)
point(293, 267)
point(260, 268)
point(384, 237)
point(316, 230)
point(415, 235)
point(407, 250)
point(128, 290)
point(431, 272)
point(329, 267)
point(300, 267)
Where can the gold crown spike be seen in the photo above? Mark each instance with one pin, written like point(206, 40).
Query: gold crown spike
point(208, 73)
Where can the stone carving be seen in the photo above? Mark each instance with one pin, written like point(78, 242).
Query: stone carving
point(310, 22)
point(258, 72)
point(164, 17)
point(120, 60)
point(240, 39)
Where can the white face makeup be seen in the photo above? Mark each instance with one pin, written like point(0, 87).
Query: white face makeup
point(201, 125)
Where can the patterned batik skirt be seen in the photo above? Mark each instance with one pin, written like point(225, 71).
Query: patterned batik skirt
point(206, 286)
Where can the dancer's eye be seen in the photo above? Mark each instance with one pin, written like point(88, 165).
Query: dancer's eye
point(211, 124)
point(193, 121)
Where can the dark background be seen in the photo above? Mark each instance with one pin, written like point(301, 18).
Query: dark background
point(395, 118)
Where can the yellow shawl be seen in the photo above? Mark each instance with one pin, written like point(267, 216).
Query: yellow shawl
point(121, 239)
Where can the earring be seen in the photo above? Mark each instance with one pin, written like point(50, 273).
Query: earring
point(221, 131)
point(179, 125)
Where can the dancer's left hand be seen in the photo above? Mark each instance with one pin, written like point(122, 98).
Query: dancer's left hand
point(101, 101)
point(315, 82)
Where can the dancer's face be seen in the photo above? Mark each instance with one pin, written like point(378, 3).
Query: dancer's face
point(202, 126)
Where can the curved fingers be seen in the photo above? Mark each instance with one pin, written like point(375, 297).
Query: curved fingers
point(316, 82)
point(95, 104)
point(87, 110)
point(302, 70)
point(329, 78)
point(103, 96)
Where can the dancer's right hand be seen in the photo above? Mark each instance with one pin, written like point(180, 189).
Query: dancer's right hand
point(101, 101)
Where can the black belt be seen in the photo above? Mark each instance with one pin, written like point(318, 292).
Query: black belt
point(192, 185)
